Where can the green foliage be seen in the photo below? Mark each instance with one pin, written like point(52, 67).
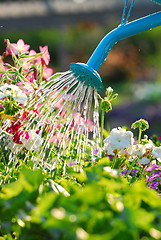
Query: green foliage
point(155, 140)
point(11, 107)
point(106, 207)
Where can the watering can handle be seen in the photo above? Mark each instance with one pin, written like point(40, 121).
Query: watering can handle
point(121, 32)
point(156, 1)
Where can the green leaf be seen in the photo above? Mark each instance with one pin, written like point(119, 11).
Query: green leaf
point(104, 161)
point(105, 133)
point(30, 180)
point(81, 177)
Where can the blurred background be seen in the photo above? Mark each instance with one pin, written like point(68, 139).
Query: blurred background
point(73, 28)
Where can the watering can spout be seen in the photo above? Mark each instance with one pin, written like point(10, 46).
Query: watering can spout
point(121, 32)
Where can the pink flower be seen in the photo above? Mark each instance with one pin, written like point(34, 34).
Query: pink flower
point(36, 59)
point(27, 62)
point(32, 52)
point(8, 51)
point(59, 125)
point(26, 87)
point(45, 58)
point(39, 105)
point(15, 125)
point(19, 47)
point(31, 76)
point(57, 137)
point(77, 120)
point(59, 104)
point(2, 66)
point(50, 128)
point(47, 72)
point(90, 125)
point(25, 115)
point(19, 135)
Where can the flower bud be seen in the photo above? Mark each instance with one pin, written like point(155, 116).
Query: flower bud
point(141, 124)
point(106, 105)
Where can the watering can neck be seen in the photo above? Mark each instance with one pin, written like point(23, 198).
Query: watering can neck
point(121, 32)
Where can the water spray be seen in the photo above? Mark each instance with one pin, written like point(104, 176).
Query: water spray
point(79, 88)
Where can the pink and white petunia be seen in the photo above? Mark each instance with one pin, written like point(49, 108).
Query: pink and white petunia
point(26, 87)
point(17, 48)
point(47, 72)
point(45, 58)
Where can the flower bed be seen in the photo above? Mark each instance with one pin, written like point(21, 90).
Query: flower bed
point(112, 192)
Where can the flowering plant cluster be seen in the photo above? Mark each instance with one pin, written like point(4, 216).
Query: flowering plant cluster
point(135, 158)
point(26, 121)
point(53, 203)
point(19, 80)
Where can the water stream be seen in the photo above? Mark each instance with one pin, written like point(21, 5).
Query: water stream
point(62, 120)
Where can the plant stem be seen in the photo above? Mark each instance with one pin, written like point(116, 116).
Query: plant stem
point(114, 161)
point(131, 167)
point(102, 126)
point(139, 137)
point(41, 75)
point(141, 173)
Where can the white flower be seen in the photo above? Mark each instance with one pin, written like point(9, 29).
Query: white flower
point(7, 141)
point(143, 161)
point(157, 153)
point(14, 147)
point(119, 139)
point(107, 146)
point(7, 90)
point(149, 145)
point(34, 142)
point(140, 150)
point(131, 158)
point(131, 149)
point(113, 172)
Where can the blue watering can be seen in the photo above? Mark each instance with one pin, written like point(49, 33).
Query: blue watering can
point(88, 73)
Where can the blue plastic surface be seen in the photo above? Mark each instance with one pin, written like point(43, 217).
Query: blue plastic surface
point(157, 1)
point(87, 73)
point(121, 32)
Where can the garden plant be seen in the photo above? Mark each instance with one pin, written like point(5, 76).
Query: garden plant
point(115, 194)
point(62, 176)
